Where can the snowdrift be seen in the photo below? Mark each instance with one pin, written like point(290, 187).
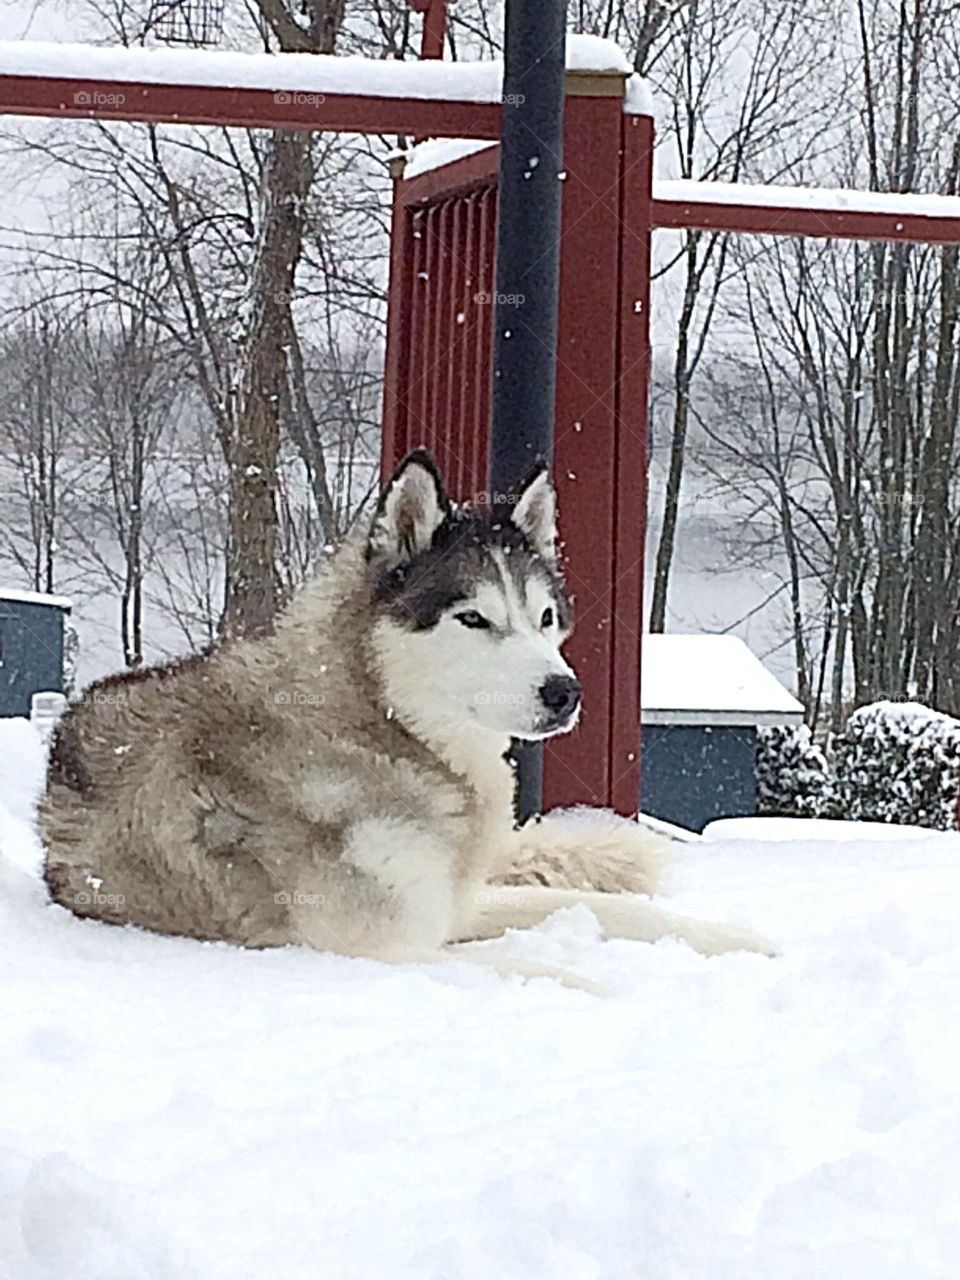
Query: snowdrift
point(171, 1110)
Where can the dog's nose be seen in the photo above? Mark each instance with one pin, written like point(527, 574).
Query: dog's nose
point(561, 695)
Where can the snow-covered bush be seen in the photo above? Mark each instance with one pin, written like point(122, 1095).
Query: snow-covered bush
point(898, 762)
point(71, 652)
point(793, 777)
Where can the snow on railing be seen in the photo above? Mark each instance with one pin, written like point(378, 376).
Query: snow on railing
point(675, 196)
point(289, 72)
point(819, 199)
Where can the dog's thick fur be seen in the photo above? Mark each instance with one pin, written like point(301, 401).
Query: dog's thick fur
point(334, 784)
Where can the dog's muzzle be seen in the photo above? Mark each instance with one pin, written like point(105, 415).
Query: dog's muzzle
point(561, 696)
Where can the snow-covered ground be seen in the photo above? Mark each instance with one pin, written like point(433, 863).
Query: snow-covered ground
point(807, 829)
point(171, 1110)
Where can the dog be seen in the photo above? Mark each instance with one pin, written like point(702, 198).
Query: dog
point(343, 783)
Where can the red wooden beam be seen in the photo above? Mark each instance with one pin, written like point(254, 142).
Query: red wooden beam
point(453, 178)
point(247, 108)
point(804, 220)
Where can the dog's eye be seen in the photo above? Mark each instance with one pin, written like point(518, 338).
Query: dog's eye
point(547, 618)
point(470, 618)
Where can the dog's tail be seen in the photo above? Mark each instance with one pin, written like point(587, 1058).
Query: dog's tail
point(587, 848)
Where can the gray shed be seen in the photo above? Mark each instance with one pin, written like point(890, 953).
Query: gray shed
point(703, 697)
point(31, 647)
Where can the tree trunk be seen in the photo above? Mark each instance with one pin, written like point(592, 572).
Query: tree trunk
point(252, 582)
point(678, 441)
point(252, 585)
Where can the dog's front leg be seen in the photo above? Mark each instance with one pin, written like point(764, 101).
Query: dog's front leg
point(384, 890)
point(502, 907)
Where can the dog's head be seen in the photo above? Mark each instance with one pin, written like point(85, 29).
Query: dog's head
point(471, 610)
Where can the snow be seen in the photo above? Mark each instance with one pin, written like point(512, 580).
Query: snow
point(638, 99)
point(171, 1110)
point(709, 679)
point(914, 714)
point(290, 72)
point(827, 199)
point(440, 151)
point(22, 766)
point(835, 830)
point(13, 596)
point(669, 829)
point(595, 54)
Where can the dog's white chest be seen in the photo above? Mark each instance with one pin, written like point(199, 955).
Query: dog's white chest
point(413, 870)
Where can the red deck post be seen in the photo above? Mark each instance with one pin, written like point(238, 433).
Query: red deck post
point(630, 486)
point(394, 440)
point(599, 453)
point(434, 26)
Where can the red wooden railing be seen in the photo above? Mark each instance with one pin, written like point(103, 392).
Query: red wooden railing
point(438, 382)
point(439, 333)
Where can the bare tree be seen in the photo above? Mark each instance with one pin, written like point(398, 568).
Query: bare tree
point(756, 59)
point(33, 445)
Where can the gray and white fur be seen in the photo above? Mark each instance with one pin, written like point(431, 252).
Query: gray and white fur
point(342, 783)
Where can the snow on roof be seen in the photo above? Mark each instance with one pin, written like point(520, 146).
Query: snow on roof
point(829, 199)
point(14, 596)
point(710, 679)
point(305, 72)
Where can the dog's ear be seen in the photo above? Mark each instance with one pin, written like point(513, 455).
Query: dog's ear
point(411, 509)
point(535, 512)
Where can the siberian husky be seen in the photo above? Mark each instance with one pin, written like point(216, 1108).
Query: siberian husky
point(342, 783)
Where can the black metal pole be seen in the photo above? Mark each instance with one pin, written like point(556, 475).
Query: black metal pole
point(528, 269)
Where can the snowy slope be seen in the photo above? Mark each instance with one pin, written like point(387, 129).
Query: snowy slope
point(171, 1110)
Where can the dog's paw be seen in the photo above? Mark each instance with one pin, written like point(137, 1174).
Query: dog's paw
point(720, 939)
